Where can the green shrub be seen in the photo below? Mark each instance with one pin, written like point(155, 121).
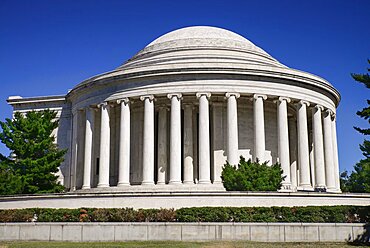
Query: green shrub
point(16, 215)
point(102, 215)
point(252, 176)
point(124, 215)
point(166, 215)
point(311, 214)
point(58, 215)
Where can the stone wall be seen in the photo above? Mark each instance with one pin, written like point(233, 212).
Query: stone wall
point(167, 197)
point(267, 232)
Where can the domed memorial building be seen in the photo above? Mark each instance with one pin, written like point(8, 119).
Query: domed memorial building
point(171, 116)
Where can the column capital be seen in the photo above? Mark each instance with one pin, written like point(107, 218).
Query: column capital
point(318, 107)
point(207, 94)
point(150, 97)
point(229, 94)
point(178, 95)
point(124, 100)
point(256, 96)
point(303, 102)
point(329, 112)
point(103, 104)
point(284, 98)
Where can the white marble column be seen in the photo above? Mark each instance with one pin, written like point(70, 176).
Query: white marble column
point(188, 144)
point(204, 139)
point(72, 180)
point(232, 128)
point(259, 127)
point(303, 149)
point(162, 145)
point(148, 140)
point(329, 158)
point(318, 148)
point(104, 146)
point(195, 144)
point(293, 152)
point(89, 127)
point(175, 139)
point(283, 140)
point(335, 153)
point(124, 144)
point(312, 157)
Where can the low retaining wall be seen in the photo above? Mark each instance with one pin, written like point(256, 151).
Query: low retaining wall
point(270, 232)
point(182, 199)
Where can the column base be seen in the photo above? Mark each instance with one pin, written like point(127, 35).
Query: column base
point(175, 183)
point(161, 183)
point(103, 185)
point(286, 188)
point(305, 188)
point(204, 182)
point(86, 187)
point(150, 183)
point(320, 188)
point(217, 183)
point(338, 191)
point(123, 185)
point(188, 182)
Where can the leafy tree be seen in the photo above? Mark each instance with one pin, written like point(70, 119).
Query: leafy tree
point(34, 155)
point(252, 176)
point(359, 180)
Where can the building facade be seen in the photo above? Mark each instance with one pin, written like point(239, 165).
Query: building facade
point(172, 115)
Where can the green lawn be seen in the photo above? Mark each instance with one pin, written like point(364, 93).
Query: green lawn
point(160, 244)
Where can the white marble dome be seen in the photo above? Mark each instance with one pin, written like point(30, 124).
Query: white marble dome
point(201, 44)
point(171, 116)
point(200, 32)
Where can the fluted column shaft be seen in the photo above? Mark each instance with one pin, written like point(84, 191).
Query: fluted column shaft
point(104, 146)
point(124, 144)
point(232, 128)
point(89, 127)
point(318, 147)
point(303, 150)
point(329, 159)
point(74, 149)
point(259, 127)
point(148, 140)
point(204, 140)
point(162, 145)
point(293, 152)
point(335, 153)
point(188, 145)
point(283, 140)
point(175, 139)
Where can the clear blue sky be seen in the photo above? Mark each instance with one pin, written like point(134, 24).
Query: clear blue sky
point(47, 47)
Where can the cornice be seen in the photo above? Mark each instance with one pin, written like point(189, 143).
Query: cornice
point(150, 72)
point(36, 100)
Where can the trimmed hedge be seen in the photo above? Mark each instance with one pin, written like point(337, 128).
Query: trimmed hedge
point(324, 214)
point(329, 214)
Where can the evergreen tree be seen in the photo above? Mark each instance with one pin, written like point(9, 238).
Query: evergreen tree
point(252, 176)
point(34, 155)
point(10, 183)
point(359, 180)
